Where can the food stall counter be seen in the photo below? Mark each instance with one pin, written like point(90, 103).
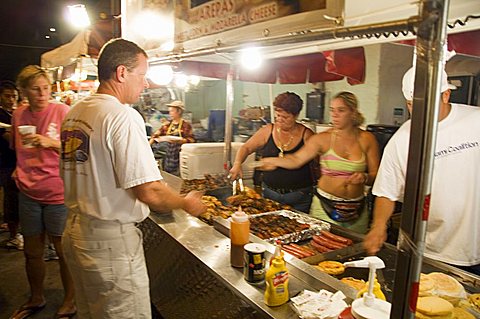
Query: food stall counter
point(190, 274)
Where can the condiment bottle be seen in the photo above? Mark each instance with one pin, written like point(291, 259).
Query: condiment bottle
point(278, 252)
point(239, 236)
point(276, 279)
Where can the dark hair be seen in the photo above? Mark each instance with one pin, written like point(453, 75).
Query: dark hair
point(7, 85)
point(351, 101)
point(289, 102)
point(117, 52)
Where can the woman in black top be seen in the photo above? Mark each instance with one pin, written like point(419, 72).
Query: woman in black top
point(285, 136)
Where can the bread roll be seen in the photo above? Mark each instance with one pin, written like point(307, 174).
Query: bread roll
point(434, 306)
point(459, 313)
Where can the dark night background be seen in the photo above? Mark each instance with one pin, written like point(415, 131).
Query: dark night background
point(24, 24)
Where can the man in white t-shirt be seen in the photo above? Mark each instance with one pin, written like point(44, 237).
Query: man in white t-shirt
point(454, 221)
point(111, 183)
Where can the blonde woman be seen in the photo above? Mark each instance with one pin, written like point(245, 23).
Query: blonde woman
point(41, 198)
point(349, 160)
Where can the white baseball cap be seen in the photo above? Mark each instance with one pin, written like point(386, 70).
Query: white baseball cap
point(409, 78)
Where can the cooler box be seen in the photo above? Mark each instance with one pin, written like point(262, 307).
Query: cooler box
point(198, 159)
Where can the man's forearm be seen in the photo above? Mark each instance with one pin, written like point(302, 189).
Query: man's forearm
point(382, 212)
point(158, 196)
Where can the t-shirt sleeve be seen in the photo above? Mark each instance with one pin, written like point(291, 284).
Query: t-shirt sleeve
point(132, 157)
point(390, 180)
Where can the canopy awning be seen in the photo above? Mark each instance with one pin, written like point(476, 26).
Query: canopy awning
point(315, 67)
point(464, 43)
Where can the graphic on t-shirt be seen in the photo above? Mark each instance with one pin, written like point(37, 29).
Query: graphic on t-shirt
point(75, 145)
point(458, 148)
point(52, 131)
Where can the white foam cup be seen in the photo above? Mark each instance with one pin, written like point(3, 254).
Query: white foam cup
point(27, 129)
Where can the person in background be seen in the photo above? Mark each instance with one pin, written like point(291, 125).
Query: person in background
point(41, 198)
point(287, 186)
point(349, 160)
point(111, 179)
point(8, 161)
point(182, 133)
point(454, 219)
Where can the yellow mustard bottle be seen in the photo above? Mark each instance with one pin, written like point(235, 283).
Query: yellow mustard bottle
point(377, 290)
point(276, 279)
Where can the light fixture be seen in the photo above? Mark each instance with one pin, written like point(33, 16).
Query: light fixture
point(160, 74)
point(152, 25)
point(78, 16)
point(167, 46)
point(181, 80)
point(251, 58)
point(52, 29)
point(47, 37)
point(194, 79)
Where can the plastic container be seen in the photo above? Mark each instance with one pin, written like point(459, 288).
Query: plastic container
point(198, 159)
point(276, 279)
point(239, 237)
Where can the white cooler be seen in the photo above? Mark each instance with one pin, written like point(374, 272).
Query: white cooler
point(198, 159)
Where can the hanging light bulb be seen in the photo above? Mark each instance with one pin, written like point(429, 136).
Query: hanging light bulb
point(160, 74)
point(78, 16)
point(251, 58)
point(194, 79)
point(181, 80)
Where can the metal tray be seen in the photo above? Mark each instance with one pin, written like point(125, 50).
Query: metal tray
point(316, 226)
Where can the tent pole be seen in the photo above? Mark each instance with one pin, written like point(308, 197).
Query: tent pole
point(227, 160)
point(431, 37)
point(272, 110)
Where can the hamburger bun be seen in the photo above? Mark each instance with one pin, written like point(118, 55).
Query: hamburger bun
point(427, 286)
point(419, 315)
point(459, 313)
point(447, 287)
point(434, 306)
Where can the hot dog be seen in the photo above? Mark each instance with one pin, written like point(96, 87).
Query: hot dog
point(293, 253)
point(328, 243)
point(320, 248)
point(300, 250)
point(303, 248)
point(336, 238)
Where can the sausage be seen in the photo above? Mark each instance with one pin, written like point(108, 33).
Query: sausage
point(320, 248)
point(303, 248)
point(336, 238)
point(293, 253)
point(327, 242)
point(300, 250)
point(301, 253)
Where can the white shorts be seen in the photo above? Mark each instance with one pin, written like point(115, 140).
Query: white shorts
point(108, 268)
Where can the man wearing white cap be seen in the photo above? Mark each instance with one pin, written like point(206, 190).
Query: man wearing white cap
point(454, 220)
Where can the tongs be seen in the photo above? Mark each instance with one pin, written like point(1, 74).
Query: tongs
point(240, 184)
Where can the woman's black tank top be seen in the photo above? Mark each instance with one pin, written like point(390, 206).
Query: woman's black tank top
point(286, 178)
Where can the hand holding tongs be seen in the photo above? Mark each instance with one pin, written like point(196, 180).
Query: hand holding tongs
point(240, 184)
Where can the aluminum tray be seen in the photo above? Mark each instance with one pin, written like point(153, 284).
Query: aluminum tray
point(316, 226)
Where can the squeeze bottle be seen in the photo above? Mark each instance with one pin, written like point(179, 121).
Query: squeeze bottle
point(276, 279)
point(239, 236)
